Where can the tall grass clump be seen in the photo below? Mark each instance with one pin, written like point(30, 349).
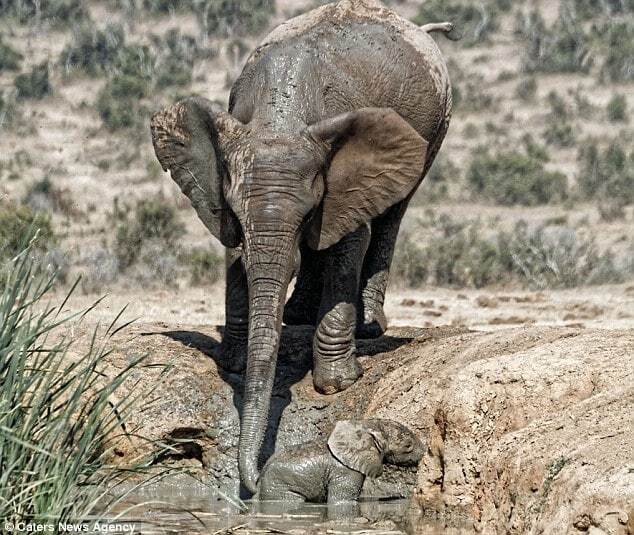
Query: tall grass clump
point(61, 416)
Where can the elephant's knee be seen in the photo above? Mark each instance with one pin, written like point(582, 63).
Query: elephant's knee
point(334, 337)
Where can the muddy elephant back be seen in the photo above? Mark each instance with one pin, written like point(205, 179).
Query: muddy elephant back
point(372, 58)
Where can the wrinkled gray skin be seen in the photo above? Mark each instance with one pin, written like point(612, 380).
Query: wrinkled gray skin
point(333, 123)
point(335, 472)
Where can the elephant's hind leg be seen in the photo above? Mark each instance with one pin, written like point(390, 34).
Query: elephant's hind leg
point(303, 306)
point(334, 352)
point(372, 322)
point(233, 350)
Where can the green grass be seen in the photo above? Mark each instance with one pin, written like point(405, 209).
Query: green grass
point(60, 416)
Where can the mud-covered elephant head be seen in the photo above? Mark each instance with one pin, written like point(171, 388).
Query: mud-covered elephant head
point(265, 190)
point(364, 445)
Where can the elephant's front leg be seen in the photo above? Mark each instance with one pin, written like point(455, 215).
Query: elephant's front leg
point(334, 351)
point(233, 350)
point(303, 306)
point(372, 322)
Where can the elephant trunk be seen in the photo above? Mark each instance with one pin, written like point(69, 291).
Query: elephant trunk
point(268, 263)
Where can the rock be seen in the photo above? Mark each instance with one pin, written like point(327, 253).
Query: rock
point(528, 429)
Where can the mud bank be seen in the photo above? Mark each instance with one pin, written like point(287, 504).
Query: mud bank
point(529, 430)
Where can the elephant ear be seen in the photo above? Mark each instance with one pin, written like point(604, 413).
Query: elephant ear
point(378, 159)
point(187, 137)
point(358, 447)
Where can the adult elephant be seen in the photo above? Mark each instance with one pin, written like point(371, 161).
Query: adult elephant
point(332, 125)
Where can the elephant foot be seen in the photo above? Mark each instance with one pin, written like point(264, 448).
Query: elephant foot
point(373, 325)
point(232, 356)
point(336, 376)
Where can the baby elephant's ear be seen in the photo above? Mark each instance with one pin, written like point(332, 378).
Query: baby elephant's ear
point(358, 447)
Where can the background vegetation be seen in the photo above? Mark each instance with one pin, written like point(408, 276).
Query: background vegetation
point(542, 104)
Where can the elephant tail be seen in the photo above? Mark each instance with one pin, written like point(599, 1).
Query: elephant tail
point(446, 27)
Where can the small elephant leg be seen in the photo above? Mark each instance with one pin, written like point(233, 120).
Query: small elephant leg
point(334, 352)
point(372, 322)
point(233, 350)
point(345, 487)
point(303, 306)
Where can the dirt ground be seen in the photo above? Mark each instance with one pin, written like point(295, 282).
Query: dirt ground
point(606, 307)
point(528, 427)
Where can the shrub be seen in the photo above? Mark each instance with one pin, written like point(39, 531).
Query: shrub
point(44, 196)
point(93, 50)
point(54, 11)
point(559, 110)
point(474, 22)
point(205, 266)
point(100, 268)
point(175, 62)
point(560, 134)
point(588, 9)
point(235, 17)
point(557, 258)
point(618, 65)
point(468, 254)
point(168, 6)
point(9, 58)
point(8, 109)
point(617, 109)
point(535, 150)
point(474, 97)
point(526, 89)
point(514, 178)
point(562, 48)
point(16, 221)
point(153, 219)
point(607, 175)
point(34, 84)
point(118, 101)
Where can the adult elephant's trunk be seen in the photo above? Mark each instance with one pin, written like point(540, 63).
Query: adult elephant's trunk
point(268, 263)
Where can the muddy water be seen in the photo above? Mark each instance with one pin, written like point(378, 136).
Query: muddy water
point(169, 508)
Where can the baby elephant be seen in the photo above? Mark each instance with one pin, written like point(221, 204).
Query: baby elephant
point(335, 472)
